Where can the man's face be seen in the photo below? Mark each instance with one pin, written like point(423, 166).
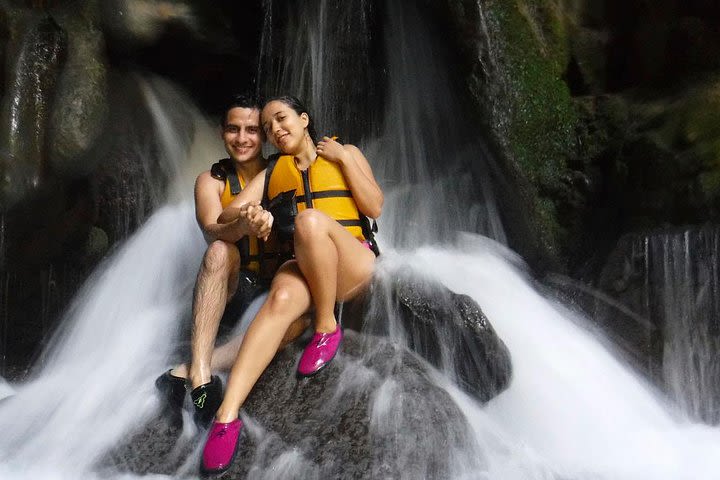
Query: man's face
point(242, 134)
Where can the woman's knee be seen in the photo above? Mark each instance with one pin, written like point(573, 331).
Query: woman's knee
point(310, 223)
point(281, 298)
point(220, 256)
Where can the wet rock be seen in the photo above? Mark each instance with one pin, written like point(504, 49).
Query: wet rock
point(80, 106)
point(41, 49)
point(588, 49)
point(142, 22)
point(447, 329)
point(374, 412)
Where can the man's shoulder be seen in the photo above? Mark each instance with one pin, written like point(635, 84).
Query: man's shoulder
point(207, 181)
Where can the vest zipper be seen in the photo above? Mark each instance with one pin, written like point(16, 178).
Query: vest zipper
point(306, 186)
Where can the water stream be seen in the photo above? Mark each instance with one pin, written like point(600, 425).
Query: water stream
point(573, 410)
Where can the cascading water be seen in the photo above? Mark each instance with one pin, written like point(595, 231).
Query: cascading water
point(572, 411)
point(434, 168)
point(690, 288)
point(674, 281)
point(3, 298)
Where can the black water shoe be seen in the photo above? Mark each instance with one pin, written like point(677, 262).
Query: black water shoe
point(172, 389)
point(206, 399)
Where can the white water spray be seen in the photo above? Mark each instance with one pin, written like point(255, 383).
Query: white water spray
point(572, 410)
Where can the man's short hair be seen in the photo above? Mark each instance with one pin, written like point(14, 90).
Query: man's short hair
point(240, 100)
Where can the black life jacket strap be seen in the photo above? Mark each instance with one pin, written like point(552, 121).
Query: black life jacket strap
point(306, 185)
point(262, 254)
point(225, 170)
point(232, 177)
point(351, 223)
point(324, 194)
point(369, 234)
point(243, 246)
point(272, 161)
point(218, 172)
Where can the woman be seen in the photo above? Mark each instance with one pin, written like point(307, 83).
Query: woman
point(332, 260)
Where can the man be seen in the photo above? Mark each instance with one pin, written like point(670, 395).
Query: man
point(227, 280)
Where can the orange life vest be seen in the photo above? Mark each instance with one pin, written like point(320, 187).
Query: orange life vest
point(249, 247)
point(322, 185)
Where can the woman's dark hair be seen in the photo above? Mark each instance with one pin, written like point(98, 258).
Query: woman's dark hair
point(239, 101)
point(295, 104)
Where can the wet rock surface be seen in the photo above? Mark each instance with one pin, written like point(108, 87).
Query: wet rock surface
point(448, 330)
point(374, 412)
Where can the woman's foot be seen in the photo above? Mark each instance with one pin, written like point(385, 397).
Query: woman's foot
point(319, 352)
point(221, 446)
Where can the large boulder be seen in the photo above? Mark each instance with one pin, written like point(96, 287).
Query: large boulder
point(447, 329)
point(374, 412)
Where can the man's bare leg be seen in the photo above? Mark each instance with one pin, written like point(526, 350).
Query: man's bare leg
point(223, 357)
point(216, 284)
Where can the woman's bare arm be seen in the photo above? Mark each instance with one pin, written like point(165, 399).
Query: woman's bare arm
point(356, 168)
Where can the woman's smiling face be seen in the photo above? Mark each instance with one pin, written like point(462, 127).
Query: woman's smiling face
point(284, 127)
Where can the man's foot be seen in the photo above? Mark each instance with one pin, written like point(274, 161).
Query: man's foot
point(319, 352)
point(206, 399)
point(221, 446)
point(172, 389)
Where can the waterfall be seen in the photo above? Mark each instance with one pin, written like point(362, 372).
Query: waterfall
point(434, 168)
point(573, 410)
point(4, 280)
point(674, 281)
point(690, 312)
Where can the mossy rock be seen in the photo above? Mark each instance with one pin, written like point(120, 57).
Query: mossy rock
point(540, 134)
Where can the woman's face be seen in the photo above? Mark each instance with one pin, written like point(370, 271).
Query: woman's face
point(284, 127)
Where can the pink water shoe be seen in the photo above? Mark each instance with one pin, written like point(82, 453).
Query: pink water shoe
point(221, 446)
point(319, 352)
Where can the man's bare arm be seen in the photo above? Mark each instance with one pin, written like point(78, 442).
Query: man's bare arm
point(252, 193)
point(208, 191)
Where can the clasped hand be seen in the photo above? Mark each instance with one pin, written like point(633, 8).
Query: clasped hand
point(258, 220)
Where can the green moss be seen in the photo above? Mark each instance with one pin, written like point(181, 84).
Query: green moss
point(542, 117)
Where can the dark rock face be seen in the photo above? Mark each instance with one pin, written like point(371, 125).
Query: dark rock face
point(81, 159)
point(372, 413)
point(26, 107)
point(448, 330)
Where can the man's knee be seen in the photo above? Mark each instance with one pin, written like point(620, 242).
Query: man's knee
point(219, 256)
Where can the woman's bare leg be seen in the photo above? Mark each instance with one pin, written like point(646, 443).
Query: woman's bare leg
point(288, 299)
point(333, 262)
point(223, 357)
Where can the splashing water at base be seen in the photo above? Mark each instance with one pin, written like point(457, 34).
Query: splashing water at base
point(572, 410)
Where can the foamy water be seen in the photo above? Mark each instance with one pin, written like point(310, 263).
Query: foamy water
point(572, 407)
point(572, 410)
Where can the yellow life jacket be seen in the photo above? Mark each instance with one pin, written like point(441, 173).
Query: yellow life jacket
point(234, 183)
point(327, 188)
